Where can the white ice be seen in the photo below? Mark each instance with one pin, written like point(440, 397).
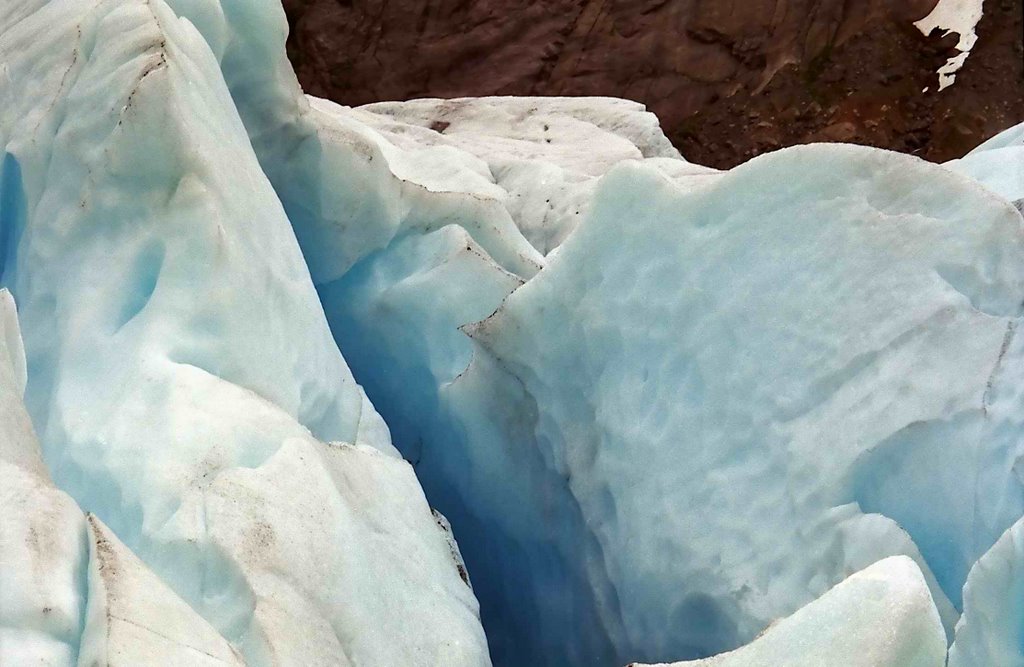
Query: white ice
point(181, 374)
point(662, 406)
point(71, 592)
point(882, 616)
point(542, 154)
point(998, 164)
point(432, 245)
point(43, 543)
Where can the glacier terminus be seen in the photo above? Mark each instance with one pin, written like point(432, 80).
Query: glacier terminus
point(476, 381)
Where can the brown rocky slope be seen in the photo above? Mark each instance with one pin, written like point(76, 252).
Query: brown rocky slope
point(728, 78)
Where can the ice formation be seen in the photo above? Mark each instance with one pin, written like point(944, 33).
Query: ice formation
point(882, 615)
point(220, 437)
point(999, 164)
point(662, 406)
point(43, 548)
point(990, 631)
point(63, 571)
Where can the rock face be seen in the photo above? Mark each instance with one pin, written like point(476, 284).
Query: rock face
point(729, 79)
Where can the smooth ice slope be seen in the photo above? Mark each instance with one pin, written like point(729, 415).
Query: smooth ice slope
point(998, 164)
point(133, 619)
point(181, 372)
point(990, 631)
point(70, 592)
point(43, 543)
point(882, 616)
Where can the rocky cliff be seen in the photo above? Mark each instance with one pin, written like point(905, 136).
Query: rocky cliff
point(729, 79)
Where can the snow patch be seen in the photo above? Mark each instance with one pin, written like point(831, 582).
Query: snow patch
point(954, 16)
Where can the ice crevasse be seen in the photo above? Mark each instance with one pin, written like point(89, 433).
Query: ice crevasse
point(597, 404)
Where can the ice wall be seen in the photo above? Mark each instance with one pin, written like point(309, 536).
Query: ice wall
point(989, 632)
point(555, 414)
point(181, 373)
point(43, 543)
point(70, 592)
point(662, 406)
point(880, 616)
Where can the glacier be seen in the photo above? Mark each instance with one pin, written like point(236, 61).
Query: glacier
point(221, 439)
point(597, 404)
point(989, 631)
point(882, 615)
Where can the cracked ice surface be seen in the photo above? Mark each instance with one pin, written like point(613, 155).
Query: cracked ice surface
point(663, 407)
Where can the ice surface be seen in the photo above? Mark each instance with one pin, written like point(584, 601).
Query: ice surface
point(882, 616)
point(134, 619)
point(662, 406)
point(990, 630)
point(998, 163)
point(583, 134)
point(543, 154)
point(609, 472)
point(196, 426)
point(71, 594)
point(816, 394)
point(862, 429)
point(43, 552)
point(618, 464)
